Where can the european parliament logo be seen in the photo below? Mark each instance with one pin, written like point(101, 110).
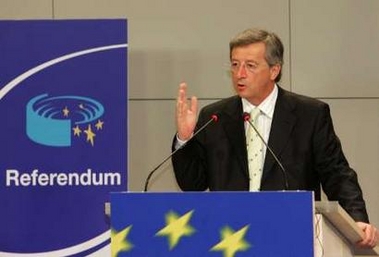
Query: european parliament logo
point(63, 104)
point(52, 121)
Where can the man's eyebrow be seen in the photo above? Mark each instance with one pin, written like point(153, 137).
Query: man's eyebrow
point(249, 60)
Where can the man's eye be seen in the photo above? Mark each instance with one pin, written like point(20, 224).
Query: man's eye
point(251, 66)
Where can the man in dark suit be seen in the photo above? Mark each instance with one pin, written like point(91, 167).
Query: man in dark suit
point(298, 129)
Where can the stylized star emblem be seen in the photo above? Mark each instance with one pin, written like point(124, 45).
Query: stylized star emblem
point(176, 227)
point(119, 242)
point(90, 135)
point(232, 242)
point(65, 111)
point(99, 124)
point(77, 131)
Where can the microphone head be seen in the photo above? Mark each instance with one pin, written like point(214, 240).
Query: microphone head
point(246, 116)
point(214, 117)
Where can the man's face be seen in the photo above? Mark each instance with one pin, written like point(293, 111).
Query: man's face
point(252, 77)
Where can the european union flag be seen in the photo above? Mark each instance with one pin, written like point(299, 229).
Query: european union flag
point(219, 224)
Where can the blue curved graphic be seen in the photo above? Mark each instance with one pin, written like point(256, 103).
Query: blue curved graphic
point(46, 125)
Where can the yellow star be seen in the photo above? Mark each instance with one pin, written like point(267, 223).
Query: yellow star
point(99, 124)
point(176, 227)
point(232, 242)
point(77, 131)
point(119, 242)
point(65, 111)
point(90, 134)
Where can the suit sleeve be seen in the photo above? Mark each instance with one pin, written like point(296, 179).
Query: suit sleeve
point(189, 163)
point(339, 181)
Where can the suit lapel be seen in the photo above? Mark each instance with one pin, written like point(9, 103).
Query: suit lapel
point(281, 129)
point(233, 124)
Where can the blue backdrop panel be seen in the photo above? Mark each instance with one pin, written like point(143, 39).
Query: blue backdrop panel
point(268, 224)
point(63, 105)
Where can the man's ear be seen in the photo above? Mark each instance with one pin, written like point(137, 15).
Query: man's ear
point(274, 71)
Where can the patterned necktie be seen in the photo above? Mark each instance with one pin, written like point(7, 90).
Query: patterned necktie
point(254, 152)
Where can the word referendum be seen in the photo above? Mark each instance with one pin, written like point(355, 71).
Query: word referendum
point(36, 178)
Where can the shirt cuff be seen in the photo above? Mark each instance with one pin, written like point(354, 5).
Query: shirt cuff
point(179, 143)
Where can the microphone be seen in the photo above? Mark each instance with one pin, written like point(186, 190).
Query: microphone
point(246, 117)
point(214, 118)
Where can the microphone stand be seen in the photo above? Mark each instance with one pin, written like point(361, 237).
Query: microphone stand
point(214, 118)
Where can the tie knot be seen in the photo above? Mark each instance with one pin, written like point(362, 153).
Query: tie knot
point(254, 114)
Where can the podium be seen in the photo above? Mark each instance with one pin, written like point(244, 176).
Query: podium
point(229, 224)
point(336, 232)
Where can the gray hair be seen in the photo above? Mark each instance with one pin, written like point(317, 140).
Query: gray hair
point(274, 46)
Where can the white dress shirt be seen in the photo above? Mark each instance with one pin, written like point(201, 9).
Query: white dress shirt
point(265, 119)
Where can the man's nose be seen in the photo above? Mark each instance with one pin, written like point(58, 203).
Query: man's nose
point(241, 73)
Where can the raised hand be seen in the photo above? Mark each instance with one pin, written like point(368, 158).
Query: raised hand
point(186, 113)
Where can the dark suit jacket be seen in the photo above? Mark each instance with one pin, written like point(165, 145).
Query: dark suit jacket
point(303, 138)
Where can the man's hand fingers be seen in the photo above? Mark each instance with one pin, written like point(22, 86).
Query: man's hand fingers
point(371, 235)
point(181, 103)
point(194, 105)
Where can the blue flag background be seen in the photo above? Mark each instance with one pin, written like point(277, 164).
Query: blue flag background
point(268, 224)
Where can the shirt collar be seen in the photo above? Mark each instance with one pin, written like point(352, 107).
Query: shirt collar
point(267, 106)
